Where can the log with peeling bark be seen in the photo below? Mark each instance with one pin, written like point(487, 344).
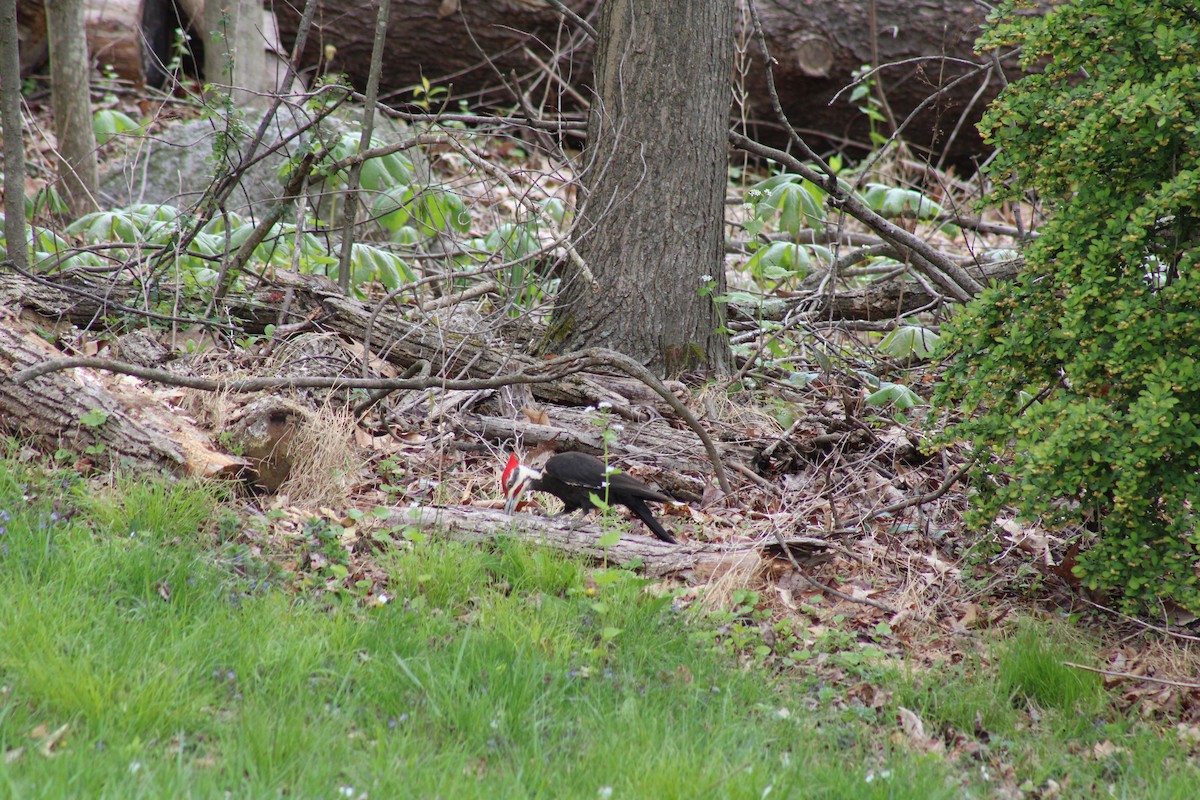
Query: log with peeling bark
point(82, 301)
point(880, 300)
point(474, 49)
point(884, 300)
point(111, 420)
point(691, 561)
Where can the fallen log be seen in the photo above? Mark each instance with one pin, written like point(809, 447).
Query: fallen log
point(441, 349)
point(82, 300)
point(490, 52)
point(878, 301)
point(697, 562)
point(108, 421)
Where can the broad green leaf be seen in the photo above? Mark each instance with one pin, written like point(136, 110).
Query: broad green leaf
point(909, 341)
point(109, 122)
point(892, 201)
point(895, 394)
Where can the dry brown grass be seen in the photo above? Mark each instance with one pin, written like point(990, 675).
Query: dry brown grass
point(325, 461)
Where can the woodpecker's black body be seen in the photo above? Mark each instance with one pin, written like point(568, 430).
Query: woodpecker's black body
point(575, 477)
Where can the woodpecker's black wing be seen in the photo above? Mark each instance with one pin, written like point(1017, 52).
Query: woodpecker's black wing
point(588, 471)
point(575, 477)
point(628, 485)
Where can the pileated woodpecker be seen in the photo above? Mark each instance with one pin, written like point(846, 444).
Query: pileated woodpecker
point(574, 478)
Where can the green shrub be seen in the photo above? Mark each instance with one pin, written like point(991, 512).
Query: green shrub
point(1081, 377)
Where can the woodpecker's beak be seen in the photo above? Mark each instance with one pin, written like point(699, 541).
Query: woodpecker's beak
point(511, 501)
point(515, 481)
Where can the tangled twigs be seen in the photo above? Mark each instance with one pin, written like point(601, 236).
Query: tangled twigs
point(540, 372)
point(922, 499)
point(633, 369)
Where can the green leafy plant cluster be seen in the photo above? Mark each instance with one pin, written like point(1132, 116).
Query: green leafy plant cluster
point(791, 204)
point(796, 209)
point(1083, 375)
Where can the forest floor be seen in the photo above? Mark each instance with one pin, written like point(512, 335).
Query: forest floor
point(193, 640)
point(149, 652)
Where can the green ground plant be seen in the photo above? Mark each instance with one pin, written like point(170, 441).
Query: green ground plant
point(1081, 378)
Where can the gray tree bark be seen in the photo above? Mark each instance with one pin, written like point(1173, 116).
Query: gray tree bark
point(78, 169)
point(650, 229)
point(14, 146)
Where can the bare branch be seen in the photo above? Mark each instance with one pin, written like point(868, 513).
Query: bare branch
point(1129, 676)
point(938, 266)
point(579, 21)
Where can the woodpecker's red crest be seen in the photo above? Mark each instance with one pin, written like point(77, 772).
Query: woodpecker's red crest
point(514, 480)
point(509, 469)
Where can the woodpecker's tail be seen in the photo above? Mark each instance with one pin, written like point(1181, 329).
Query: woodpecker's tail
point(642, 511)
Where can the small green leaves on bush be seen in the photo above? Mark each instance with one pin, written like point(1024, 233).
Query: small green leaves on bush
point(1107, 135)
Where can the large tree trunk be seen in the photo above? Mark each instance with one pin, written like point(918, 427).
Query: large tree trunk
point(650, 229)
point(13, 129)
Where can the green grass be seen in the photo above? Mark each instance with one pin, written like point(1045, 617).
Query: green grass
point(184, 668)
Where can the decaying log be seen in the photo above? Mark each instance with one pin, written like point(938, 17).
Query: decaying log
point(693, 561)
point(395, 339)
point(900, 296)
point(443, 350)
point(474, 49)
point(113, 419)
point(880, 300)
